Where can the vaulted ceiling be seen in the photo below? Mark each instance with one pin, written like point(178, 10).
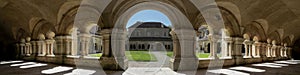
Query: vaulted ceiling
point(280, 16)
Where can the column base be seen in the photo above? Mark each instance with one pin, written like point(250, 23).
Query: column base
point(256, 56)
point(247, 56)
point(73, 56)
point(110, 63)
point(264, 58)
point(238, 59)
point(50, 55)
point(184, 64)
point(214, 57)
point(41, 54)
point(28, 54)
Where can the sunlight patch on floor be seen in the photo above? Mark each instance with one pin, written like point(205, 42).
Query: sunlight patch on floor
point(22, 64)
point(81, 72)
point(276, 64)
point(33, 65)
point(150, 71)
point(267, 65)
point(227, 72)
point(285, 62)
point(249, 69)
point(10, 62)
point(56, 70)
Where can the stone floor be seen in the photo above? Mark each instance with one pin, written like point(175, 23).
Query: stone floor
point(269, 68)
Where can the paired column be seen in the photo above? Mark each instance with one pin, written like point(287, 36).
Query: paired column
point(289, 50)
point(63, 45)
point(269, 52)
point(28, 47)
point(22, 47)
point(256, 49)
point(273, 49)
point(248, 48)
point(18, 50)
point(74, 46)
point(84, 43)
point(280, 51)
point(41, 48)
point(49, 47)
point(285, 50)
point(213, 46)
point(227, 50)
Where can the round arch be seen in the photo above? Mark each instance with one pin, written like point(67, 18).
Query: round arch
point(212, 18)
point(275, 36)
point(181, 26)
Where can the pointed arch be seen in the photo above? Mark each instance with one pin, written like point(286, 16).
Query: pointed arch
point(41, 26)
point(65, 8)
point(21, 33)
point(66, 18)
point(287, 40)
point(275, 36)
point(260, 29)
point(263, 24)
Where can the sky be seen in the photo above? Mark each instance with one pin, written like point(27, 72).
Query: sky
point(149, 16)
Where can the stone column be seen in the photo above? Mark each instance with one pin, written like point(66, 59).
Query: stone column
point(50, 43)
point(69, 46)
point(41, 48)
point(224, 48)
point(50, 46)
point(273, 49)
point(28, 46)
point(18, 50)
point(262, 51)
point(84, 43)
point(62, 45)
point(285, 50)
point(256, 48)
point(237, 51)
point(269, 48)
point(176, 51)
point(74, 47)
point(22, 47)
point(213, 46)
point(111, 42)
point(280, 51)
point(289, 50)
point(229, 46)
point(34, 50)
point(184, 49)
point(248, 48)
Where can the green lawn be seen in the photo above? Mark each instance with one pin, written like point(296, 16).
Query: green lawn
point(140, 56)
point(96, 55)
point(199, 55)
point(146, 56)
point(203, 55)
point(170, 53)
point(134, 55)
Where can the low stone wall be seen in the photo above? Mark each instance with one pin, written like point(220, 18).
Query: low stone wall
point(95, 62)
point(72, 61)
point(204, 63)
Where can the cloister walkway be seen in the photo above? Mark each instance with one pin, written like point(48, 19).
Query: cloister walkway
point(287, 67)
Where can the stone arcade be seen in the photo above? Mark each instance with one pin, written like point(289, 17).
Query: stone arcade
point(61, 31)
